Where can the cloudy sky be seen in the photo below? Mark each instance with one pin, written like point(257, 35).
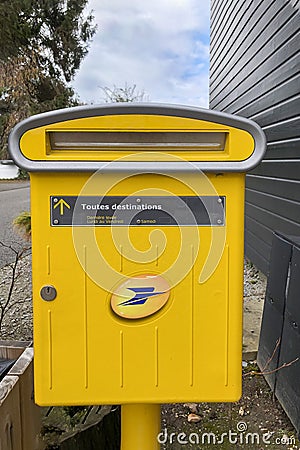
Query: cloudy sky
point(161, 46)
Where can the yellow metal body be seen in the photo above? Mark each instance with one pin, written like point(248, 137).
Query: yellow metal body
point(190, 348)
point(140, 427)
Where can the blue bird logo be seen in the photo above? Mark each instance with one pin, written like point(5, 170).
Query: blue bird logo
point(142, 294)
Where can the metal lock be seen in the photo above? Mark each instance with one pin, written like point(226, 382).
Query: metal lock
point(48, 293)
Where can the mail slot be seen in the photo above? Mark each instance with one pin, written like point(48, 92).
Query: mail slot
point(137, 251)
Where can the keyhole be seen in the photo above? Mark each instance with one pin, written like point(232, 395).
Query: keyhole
point(48, 293)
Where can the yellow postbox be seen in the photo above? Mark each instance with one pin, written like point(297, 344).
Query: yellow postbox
point(137, 251)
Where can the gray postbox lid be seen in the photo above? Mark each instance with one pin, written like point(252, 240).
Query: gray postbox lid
point(57, 116)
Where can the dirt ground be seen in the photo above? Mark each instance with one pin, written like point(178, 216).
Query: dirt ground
point(256, 422)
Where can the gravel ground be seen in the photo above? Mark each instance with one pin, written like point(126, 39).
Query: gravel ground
point(17, 322)
point(255, 282)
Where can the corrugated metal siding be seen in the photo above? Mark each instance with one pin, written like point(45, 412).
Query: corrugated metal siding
point(255, 67)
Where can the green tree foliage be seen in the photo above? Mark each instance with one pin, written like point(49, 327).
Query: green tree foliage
point(42, 43)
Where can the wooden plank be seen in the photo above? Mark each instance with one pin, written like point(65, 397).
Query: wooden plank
point(21, 425)
point(218, 10)
point(260, 230)
point(260, 66)
point(104, 436)
point(241, 37)
point(286, 110)
point(272, 220)
point(287, 381)
point(10, 352)
point(288, 149)
point(274, 309)
point(255, 241)
point(274, 88)
point(280, 131)
point(30, 413)
point(22, 363)
point(287, 388)
point(260, 261)
point(6, 386)
point(278, 205)
point(288, 169)
point(255, 73)
point(238, 63)
point(289, 189)
point(223, 24)
point(10, 423)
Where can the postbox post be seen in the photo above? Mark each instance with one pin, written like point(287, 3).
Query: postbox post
point(140, 426)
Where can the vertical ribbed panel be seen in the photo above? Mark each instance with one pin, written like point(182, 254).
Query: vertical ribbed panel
point(255, 73)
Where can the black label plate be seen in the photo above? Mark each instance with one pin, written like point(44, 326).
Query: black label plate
point(133, 211)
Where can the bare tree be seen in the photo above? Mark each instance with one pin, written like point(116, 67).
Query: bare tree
point(7, 303)
point(126, 94)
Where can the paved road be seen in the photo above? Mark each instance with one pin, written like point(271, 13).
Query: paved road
point(14, 198)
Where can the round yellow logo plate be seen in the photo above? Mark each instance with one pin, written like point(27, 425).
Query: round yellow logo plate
point(140, 296)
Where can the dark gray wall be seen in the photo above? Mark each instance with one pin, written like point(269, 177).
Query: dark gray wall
point(254, 73)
